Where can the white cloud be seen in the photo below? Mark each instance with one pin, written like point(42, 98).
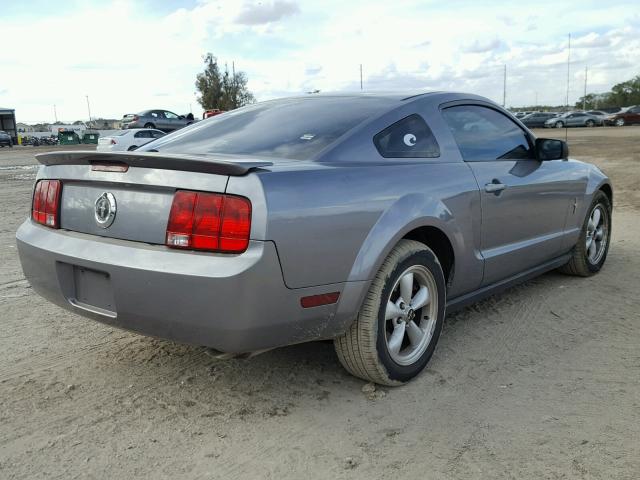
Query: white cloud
point(128, 58)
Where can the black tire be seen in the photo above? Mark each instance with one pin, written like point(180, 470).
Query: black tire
point(149, 125)
point(363, 350)
point(580, 264)
point(131, 148)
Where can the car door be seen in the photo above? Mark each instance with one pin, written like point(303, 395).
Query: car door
point(142, 137)
point(632, 115)
point(538, 120)
point(174, 122)
point(524, 201)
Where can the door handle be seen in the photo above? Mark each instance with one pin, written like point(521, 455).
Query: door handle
point(494, 187)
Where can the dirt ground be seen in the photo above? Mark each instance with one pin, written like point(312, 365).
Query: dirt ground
point(540, 382)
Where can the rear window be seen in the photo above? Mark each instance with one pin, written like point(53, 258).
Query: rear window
point(296, 128)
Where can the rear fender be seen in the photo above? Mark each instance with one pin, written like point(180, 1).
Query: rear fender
point(408, 213)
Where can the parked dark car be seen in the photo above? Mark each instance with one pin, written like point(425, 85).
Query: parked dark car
point(537, 120)
point(5, 139)
point(355, 218)
point(159, 119)
point(625, 117)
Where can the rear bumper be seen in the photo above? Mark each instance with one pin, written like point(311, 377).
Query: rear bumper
point(231, 303)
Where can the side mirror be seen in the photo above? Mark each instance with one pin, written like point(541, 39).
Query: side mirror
point(181, 117)
point(551, 149)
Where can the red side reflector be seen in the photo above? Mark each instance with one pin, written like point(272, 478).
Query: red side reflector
point(110, 167)
point(46, 203)
point(317, 300)
point(209, 221)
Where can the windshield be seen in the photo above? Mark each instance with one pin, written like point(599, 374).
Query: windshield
point(296, 128)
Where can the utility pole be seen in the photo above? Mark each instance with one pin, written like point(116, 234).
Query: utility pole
point(504, 88)
point(88, 107)
point(584, 99)
point(568, 70)
point(360, 76)
point(55, 114)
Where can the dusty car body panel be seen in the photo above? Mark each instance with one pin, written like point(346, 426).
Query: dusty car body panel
point(319, 225)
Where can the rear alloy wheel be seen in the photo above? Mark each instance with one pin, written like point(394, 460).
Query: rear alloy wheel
point(591, 250)
point(619, 122)
point(398, 326)
point(590, 123)
point(149, 125)
point(559, 125)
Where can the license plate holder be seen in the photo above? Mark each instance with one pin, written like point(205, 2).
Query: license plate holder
point(93, 291)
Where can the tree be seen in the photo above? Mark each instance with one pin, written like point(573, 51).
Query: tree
point(626, 93)
point(623, 94)
point(221, 90)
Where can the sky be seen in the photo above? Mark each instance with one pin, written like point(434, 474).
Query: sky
point(127, 56)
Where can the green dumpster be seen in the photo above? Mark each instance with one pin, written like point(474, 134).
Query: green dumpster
point(68, 137)
point(90, 137)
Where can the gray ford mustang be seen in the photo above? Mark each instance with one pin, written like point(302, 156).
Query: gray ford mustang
point(356, 218)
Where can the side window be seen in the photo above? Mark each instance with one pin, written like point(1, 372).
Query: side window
point(154, 114)
point(143, 134)
point(410, 137)
point(170, 115)
point(484, 134)
point(157, 134)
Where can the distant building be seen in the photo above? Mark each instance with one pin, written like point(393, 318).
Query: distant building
point(24, 128)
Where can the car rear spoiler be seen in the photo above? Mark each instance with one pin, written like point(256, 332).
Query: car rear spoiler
point(165, 161)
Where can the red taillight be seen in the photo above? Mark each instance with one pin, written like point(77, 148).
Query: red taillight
point(209, 221)
point(46, 203)
point(136, 118)
point(113, 141)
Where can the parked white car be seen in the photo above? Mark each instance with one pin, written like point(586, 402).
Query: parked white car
point(128, 139)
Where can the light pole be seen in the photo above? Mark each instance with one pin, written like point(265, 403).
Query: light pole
point(504, 88)
point(88, 107)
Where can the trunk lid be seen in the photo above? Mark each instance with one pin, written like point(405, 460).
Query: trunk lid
point(141, 188)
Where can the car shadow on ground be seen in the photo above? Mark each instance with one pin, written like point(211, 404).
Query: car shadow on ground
point(290, 374)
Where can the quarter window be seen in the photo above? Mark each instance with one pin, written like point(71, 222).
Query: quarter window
point(410, 137)
point(484, 134)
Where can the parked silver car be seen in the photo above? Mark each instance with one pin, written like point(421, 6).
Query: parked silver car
point(128, 139)
point(159, 119)
point(574, 119)
point(357, 218)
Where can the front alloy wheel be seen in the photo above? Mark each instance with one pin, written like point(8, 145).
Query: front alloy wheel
point(399, 323)
point(590, 253)
point(559, 125)
point(597, 234)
